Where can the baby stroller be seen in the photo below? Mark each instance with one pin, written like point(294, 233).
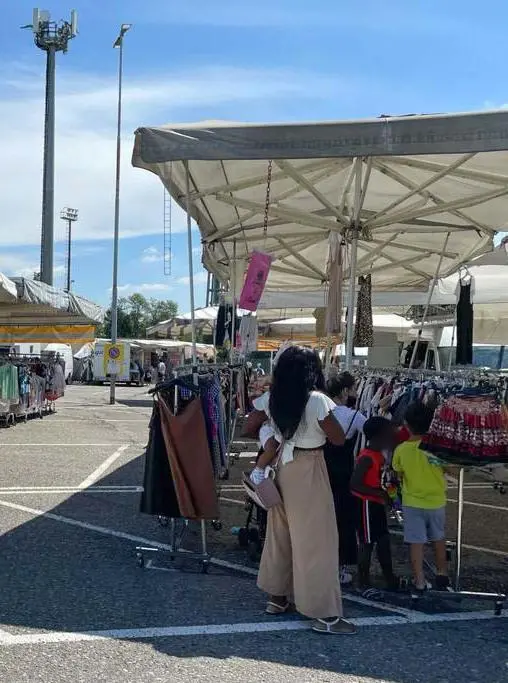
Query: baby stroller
point(252, 535)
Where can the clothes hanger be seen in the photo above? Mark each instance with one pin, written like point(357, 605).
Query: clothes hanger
point(175, 382)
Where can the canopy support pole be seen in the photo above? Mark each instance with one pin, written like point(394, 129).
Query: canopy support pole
point(429, 299)
point(352, 265)
point(191, 266)
point(233, 297)
point(450, 355)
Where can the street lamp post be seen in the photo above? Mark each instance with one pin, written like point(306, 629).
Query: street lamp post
point(70, 216)
point(114, 297)
point(52, 37)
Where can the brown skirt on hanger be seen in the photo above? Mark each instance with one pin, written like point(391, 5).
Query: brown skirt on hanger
point(190, 460)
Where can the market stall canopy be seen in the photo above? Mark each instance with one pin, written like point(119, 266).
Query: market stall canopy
point(497, 257)
point(39, 313)
point(8, 290)
point(423, 187)
point(57, 301)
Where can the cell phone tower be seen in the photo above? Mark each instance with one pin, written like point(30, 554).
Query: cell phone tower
point(52, 37)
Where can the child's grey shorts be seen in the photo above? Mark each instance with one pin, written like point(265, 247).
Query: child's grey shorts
point(421, 525)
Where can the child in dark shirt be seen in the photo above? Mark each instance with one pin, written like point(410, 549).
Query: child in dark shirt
point(366, 485)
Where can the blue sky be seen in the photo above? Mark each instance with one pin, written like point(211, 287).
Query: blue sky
point(254, 61)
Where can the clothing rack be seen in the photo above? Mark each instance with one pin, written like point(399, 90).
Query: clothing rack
point(179, 527)
point(232, 415)
point(33, 388)
point(463, 377)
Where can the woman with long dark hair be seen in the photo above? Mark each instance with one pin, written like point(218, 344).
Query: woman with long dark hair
point(300, 560)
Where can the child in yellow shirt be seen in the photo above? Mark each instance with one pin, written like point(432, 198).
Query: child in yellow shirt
point(423, 498)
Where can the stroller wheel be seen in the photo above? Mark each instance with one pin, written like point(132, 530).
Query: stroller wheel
point(243, 537)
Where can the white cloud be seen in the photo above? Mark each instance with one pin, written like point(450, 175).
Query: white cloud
point(85, 141)
point(200, 278)
point(151, 255)
point(16, 265)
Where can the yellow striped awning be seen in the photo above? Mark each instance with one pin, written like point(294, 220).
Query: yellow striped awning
point(46, 334)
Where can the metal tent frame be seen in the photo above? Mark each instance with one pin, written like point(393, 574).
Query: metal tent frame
point(414, 197)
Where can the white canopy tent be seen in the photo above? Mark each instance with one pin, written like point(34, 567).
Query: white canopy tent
point(383, 322)
point(414, 196)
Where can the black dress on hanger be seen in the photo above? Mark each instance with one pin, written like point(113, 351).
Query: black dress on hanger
point(464, 354)
point(159, 494)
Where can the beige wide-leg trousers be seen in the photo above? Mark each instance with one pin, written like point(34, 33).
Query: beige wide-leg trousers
point(300, 557)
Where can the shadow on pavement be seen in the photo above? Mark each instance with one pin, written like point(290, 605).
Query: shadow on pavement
point(56, 575)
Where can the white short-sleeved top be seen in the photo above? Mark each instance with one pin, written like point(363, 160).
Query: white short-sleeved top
point(309, 434)
point(350, 420)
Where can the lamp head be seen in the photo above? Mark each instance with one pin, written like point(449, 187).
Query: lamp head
point(123, 30)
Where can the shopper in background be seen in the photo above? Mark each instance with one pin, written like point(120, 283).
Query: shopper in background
point(340, 461)
point(301, 555)
point(259, 371)
point(423, 498)
point(161, 370)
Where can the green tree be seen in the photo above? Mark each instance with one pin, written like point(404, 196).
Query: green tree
point(162, 310)
point(135, 314)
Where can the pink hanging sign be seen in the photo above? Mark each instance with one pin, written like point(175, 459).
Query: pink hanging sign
point(255, 280)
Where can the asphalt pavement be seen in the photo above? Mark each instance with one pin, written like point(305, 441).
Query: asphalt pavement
point(74, 605)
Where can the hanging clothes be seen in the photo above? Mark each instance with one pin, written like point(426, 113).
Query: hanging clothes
point(55, 383)
point(224, 326)
point(333, 321)
point(9, 388)
point(364, 328)
point(248, 334)
point(189, 459)
point(320, 316)
point(159, 495)
point(469, 430)
point(464, 352)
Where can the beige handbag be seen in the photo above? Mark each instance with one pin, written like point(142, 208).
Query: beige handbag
point(266, 494)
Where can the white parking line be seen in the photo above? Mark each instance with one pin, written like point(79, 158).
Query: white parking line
point(481, 505)
point(71, 491)
point(478, 548)
point(57, 489)
point(226, 629)
point(99, 419)
point(232, 500)
point(97, 473)
point(85, 525)
point(60, 445)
